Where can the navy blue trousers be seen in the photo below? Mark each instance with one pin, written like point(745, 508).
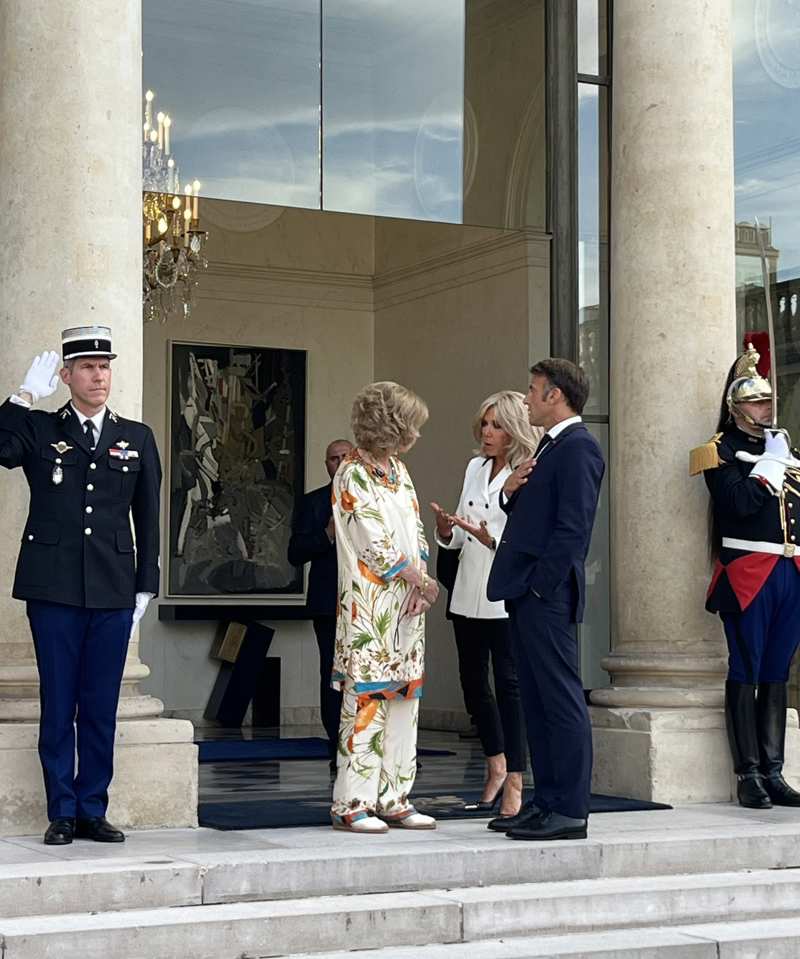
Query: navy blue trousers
point(762, 640)
point(81, 657)
point(556, 717)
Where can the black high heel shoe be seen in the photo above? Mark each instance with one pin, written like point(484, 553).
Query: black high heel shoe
point(486, 805)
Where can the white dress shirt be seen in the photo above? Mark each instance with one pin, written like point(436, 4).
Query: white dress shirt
point(479, 501)
point(97, 421)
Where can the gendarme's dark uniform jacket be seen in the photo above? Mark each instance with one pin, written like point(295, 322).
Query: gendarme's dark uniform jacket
point(77, 547)
point(746, 509)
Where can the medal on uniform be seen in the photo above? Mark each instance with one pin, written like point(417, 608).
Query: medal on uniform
point(57, 475)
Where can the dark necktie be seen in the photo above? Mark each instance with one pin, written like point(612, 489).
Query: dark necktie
point(544, 442)
point(88, 429)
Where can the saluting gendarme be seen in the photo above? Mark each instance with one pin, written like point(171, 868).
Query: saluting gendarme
point(85, 582)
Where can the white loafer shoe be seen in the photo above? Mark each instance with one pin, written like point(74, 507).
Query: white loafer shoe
point(415, 820)
point(366, 824)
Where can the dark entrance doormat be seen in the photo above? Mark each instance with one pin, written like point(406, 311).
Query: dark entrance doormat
point(315, 810)
point(250, 750)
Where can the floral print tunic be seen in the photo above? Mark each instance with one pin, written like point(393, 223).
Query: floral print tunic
point(379, 649)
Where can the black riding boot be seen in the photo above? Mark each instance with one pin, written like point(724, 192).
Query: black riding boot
point(771, 719)
point(740, 718)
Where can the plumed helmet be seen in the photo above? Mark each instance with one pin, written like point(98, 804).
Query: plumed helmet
point(748, 385)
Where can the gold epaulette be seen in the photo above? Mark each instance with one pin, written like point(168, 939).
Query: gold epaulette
point(705, 457)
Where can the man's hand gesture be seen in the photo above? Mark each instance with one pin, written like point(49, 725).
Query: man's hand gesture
point(518, 478)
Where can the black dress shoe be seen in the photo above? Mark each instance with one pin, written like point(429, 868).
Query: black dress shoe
point(503, 823)
point(780, 792)
point(549, 825)
point(98, 829)
point(751, 793)
point(60, 832)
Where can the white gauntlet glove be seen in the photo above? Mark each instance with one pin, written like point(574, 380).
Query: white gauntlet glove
point(771, 465)
point(142, 601)
point(42, 378)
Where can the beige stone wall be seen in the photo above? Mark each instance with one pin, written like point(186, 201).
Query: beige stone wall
point(282, 278)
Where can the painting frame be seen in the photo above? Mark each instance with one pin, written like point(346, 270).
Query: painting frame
point(225, 545)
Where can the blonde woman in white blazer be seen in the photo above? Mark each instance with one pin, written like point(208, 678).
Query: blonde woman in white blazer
point(481, 627)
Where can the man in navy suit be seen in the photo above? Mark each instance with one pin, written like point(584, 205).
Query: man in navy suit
point(551, 502)
point(313, 541)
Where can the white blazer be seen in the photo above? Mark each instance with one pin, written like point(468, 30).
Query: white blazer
point(479, 501)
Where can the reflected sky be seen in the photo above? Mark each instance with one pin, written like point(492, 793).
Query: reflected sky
point(241, 81)
point(767, 121)
point(393, 77)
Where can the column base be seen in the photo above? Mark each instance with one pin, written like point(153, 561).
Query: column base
point(676, 755)
point(155, 777)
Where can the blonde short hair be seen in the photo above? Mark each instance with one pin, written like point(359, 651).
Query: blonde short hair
point(387, 417)
point(512, 417)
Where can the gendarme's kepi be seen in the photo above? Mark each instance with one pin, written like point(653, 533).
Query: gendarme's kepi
point(86, 341)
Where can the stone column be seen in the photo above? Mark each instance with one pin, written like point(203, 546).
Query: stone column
point(673, 339)
point(70, 210)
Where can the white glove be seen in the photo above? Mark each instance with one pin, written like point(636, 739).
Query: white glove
point(142, 600)
point(42, 378)
point(771, 465)
point(775, 443)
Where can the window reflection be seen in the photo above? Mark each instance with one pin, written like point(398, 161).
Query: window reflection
point(505, 164)
point(593, 244)
point(767, 118)
point(240, 79)
point(592, 37)
point(392, 100)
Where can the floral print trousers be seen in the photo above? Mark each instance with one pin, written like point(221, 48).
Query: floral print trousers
point(377, 755)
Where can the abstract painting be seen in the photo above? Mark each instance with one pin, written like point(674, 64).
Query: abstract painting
point(236, 470)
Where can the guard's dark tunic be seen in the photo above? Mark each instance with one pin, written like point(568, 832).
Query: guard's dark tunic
point(746, 509)
point(77, 548)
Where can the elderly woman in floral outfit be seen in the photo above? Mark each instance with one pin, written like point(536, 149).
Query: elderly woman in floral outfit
point(384, 592)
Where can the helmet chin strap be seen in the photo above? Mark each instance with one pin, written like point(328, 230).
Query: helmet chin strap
point(736, 412)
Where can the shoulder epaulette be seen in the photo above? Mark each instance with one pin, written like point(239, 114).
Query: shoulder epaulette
point(705, 457)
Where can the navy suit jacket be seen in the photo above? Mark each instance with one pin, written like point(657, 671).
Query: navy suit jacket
point(550, 519)
point(309, 543)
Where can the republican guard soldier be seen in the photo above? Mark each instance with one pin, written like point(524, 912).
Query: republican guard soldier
point(84, 578)
point(754, 482)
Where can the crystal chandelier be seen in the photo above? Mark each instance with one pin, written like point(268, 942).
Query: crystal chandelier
point(173, 240)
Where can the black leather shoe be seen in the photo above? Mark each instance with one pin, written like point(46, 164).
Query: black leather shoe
point(550, 825)
point(751, 793)
point(780, 792)
point(503, 823)
point(60, 832)
point(98, 829)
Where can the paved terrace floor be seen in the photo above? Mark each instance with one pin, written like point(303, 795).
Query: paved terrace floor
point(193, 845)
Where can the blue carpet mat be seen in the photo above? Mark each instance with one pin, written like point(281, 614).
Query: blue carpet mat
point(250, 750)
point(315, 810)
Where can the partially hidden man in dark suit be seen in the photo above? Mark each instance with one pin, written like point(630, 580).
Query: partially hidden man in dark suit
point(539, 571)
point(313, 540)
point(85, 580)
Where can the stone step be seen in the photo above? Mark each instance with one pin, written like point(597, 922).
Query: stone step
point(364, 865)
point(345, 923)
point(751, 939)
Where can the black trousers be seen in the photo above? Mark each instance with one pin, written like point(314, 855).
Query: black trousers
point(330, 701)
point(497, 715)
point(559, 731)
